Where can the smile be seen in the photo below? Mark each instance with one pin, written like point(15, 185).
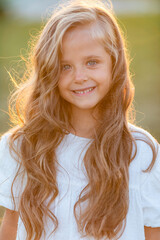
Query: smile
point(83, 92)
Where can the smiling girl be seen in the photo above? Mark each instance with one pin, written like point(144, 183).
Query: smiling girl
point(74, 167)
point(85, 76)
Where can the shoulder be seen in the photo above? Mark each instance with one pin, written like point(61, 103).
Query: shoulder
point(146, 145)
point(7, 157)
point(4, 145)
point(139, 133)
point(4, 139)
point(143, 138)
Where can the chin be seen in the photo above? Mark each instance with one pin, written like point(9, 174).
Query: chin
point(86, 107)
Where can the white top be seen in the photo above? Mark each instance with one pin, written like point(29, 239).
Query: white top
point(144, 189)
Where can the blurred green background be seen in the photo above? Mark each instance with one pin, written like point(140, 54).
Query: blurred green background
point(143, 37)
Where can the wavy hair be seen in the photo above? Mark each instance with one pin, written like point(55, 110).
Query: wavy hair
point(44, 118)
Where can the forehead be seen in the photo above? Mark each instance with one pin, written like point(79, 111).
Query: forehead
point(80, 38)
point(92, 29)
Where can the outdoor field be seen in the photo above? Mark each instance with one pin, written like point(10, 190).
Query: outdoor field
point(143, 38)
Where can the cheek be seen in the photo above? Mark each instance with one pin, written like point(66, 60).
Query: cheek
point(63, 87)
point(105, 79)
point(61, 83)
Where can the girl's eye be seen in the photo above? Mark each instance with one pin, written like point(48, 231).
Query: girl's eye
point(92, 63)
point(66, 67)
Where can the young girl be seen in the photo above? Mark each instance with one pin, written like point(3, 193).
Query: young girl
point(74, 167)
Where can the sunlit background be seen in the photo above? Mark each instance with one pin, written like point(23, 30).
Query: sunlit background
point(20, 20)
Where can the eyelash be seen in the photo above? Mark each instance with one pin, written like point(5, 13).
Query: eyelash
point(63, 67)
point(93, 61)
point(67, 65)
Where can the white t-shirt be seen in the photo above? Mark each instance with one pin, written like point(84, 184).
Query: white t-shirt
point(144, 189)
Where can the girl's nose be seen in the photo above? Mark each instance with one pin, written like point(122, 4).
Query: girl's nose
point(80, 75)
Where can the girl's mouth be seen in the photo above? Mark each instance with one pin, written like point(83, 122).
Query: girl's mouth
point(83, 92)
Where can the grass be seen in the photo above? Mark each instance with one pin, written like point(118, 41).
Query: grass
point(143, 37)
point(14, 42)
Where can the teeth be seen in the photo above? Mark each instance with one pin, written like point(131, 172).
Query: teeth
point(85, 91)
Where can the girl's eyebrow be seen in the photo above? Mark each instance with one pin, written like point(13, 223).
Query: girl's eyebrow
point(93, 56)
point(85, 58)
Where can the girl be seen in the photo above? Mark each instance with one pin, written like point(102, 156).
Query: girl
point(74, 167)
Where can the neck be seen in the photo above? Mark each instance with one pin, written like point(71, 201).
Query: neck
point(83, 122)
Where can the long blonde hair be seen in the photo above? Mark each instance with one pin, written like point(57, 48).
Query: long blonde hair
point(44, 119)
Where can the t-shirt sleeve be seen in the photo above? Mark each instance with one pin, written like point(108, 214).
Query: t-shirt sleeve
point(150, 188)
point(8, 169)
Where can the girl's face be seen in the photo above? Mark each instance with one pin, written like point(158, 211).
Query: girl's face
point(85, 69)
